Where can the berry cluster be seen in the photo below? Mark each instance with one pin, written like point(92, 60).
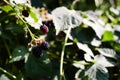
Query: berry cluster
point(38, 45)
point(41, 44)
point(37, 50)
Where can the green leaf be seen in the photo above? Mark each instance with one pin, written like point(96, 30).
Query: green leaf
point(80, 75)
point(18, 2)
point(33, 15)
point(98, 2)
point(85, 48)
point(38, 67)
point(97, 72)
point(16, 29)
point(7, 8)
point(95, 23)
point(18, 53)
point(94, 72)
point(116, 47)
point(82, 34)
point(108, 53)
point(117, 35)
point(88, 58)
point(79, 64)
point(4, 77)
point(63, 18)
point(100, 59)
point(116, 28)
point(108, 36)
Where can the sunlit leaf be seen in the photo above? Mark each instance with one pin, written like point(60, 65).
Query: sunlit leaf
point(4, 77)
point(108, 36)
point(117, 36)
point(78, 75)
point(33, 15)
point(79, 64)
point(63, 18)
point(95, 23)
point(88, 57)
point(96, 42)
point(108, 52)
point(97, 72)
point(100, 59)
point(93, 17)
point(85, 48)
point(97, 28)
point(6, 8)
point(116, 28)
point(115, 11)
point(34, 19)
point(98, 2)
point(18, 1)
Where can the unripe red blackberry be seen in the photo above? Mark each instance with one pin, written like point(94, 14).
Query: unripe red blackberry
point(45, 45)
point(44, 29)
point(25, 13)
point(37, 51)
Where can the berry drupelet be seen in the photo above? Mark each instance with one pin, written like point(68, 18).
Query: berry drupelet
point(44, 29)
point(37, 51)
point(45, 45)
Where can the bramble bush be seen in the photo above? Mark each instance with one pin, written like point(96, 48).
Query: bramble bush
point(58, 40)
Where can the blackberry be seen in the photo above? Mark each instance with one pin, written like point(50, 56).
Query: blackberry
point(48, 23)
point(25, 13)
point(45, 45)
point(37, 51)
point(44, 29)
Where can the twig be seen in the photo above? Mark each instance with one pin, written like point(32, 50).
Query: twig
point(63, 51)
point(6, 72)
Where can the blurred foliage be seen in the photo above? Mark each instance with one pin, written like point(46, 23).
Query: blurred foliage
point(92, 50)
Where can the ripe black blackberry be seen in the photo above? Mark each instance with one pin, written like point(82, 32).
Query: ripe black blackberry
point(44, 29)
point(45, 45)
point(25, 13)
point(37, 51)
point(48, 23)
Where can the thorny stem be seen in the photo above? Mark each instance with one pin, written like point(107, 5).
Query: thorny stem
point(3, 70)
point(31, 34)
point(62, 53)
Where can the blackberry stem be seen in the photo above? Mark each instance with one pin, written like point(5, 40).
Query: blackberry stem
point(31, 34)
point(63, 52)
